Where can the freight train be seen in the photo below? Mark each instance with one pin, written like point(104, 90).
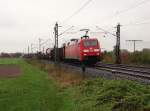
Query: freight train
point(85, 50)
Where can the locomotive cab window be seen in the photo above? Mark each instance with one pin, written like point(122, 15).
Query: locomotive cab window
point(90, 43)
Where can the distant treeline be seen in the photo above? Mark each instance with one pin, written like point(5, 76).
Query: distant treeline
point(10, 55)
point(137, 57)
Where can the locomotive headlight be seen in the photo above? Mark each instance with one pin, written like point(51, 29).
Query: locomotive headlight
point(85, 50)
point(96, 50)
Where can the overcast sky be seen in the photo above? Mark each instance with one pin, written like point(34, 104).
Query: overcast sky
point(22, 22)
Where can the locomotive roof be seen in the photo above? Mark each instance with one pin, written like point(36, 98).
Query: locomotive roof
point(89, 39)
point(74, 41)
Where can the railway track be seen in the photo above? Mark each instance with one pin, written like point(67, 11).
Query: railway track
point(112, 71)
point(138, 72)
point(127, 70)
point(128, 66)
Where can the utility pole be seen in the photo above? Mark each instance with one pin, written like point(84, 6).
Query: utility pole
point(43, 49)
point(28, 50)
point(25, 51)
point(32, 48)
point(40, 44)
point(134, 42)
point(117, 48)
point(56, 42)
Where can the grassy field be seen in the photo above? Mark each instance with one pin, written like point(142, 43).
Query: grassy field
point(32, 91)
point(43, 87)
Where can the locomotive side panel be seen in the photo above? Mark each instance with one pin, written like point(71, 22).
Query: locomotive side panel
point(72, 51)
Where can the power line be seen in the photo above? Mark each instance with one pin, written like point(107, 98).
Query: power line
point(46, 41)
point(134, 42)
point(76, 12)
point(40, 44)
point(106, 32)
point(136, 24)
point(132, 7)
point(65, 30)
point(127, 9)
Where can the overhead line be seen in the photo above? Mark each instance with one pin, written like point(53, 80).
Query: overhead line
point(65, 30)
point(135, 24)
point(127, 9)
point(105, 31)
point(76, 12)
point(134, 6)
point(46, 41)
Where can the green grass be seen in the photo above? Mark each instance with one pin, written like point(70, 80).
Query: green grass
point(32, 91)
point(100, 94)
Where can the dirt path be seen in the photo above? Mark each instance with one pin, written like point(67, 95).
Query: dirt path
point(9, 71)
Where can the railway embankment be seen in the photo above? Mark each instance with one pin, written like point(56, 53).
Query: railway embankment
point(98, 94)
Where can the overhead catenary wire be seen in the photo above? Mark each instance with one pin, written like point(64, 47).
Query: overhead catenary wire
point(65, 30)
point(136, 24)
point(132, 7)
point(127, 9)
point(118, 13)
point(77, 11)
point(46, 41)
point(34, 47)
point(105, 31)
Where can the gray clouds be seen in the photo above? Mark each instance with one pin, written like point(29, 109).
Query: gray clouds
point(23, 21)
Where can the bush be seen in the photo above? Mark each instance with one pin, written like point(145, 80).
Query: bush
point(139, 57)
point(110, 95)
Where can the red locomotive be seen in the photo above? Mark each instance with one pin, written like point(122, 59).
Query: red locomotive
point(84, 50)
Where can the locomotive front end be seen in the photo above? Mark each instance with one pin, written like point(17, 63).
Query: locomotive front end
point(90, 52)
